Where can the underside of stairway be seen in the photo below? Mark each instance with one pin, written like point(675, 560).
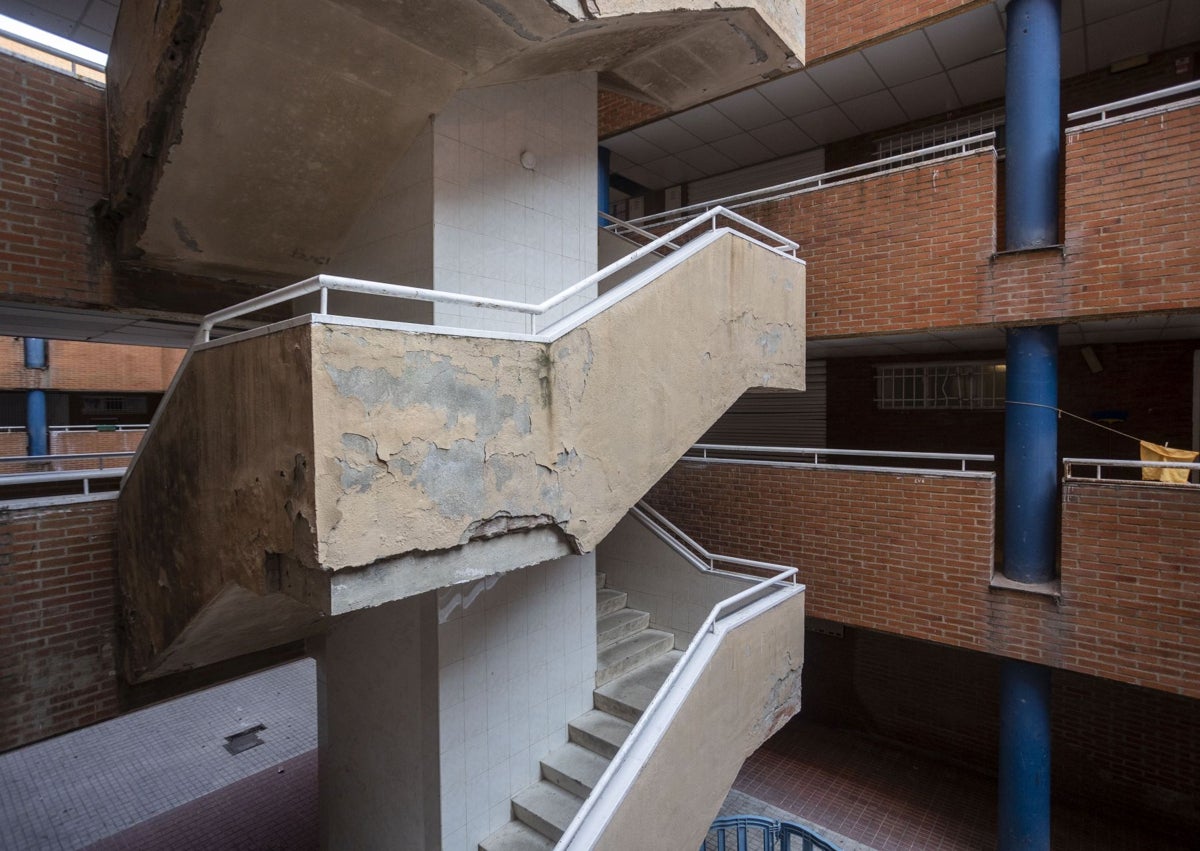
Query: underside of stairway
point(632, 662)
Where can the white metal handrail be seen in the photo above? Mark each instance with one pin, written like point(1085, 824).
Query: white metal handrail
point(626, 227)
point(101, 428)
point(51, 476)
point(816, 456)
point(1069, 465)
point(1149, 97)
point(65, 457)
point(322, 284)
point(11, 429)
point(591, 818)
point(794, 187)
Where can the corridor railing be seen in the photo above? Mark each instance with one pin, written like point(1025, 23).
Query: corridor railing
point(757, 832)
point(953, 463)
point(1072, 471)
point(921, 156)
point(324, 284)
point(589, 823)
point(1118, 110)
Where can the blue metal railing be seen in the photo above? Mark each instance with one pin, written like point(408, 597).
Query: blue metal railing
point(756, 832)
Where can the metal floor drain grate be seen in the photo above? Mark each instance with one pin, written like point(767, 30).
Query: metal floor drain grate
point(245, 739)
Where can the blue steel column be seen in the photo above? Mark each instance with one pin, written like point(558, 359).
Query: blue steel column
point(35, 400)
point(602, 196)
point(1034, 151)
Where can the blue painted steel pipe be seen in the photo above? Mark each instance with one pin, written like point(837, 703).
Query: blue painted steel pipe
point(35, 353)
point(1033, 133)
point(1024, 800)
point(603, 201)
point(35, 422)
point(1031, 454)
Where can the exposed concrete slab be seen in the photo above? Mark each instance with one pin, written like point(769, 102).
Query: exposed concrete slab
point(246, 137)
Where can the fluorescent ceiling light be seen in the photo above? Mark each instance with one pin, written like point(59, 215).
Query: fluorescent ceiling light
point(53, 43)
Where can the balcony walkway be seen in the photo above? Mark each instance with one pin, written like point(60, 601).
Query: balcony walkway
point(160, 778)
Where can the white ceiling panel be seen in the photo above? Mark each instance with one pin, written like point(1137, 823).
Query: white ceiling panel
point(874, 111)
point(1123, 36)
point(931, 96)
point(634, 148)
point(795, 94)
point(1183, 23)
point(1098, 10)
point(749, 110)
point(968, 36)
point(846, 77)
point(904, 59)
point(783, 137)
point(744, 149)
point(1074, 56)
point(706, 124)
point(827, 125)
point(667, 135)
point(707, 159)
point(645, 177)
point(674, 170)
point(979, 81)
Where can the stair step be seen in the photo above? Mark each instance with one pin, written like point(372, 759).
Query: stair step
point(630, 652)
point(600, 580)
point(609, 600)
point(574, 768)
point(516, 836)
point(546, 808)
point(599, 732)
point(628, 695)
point(618, 625)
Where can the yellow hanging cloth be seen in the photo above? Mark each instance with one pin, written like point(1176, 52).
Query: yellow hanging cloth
point(1154, 452)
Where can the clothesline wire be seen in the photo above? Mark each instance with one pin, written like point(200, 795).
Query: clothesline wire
point(1075, 416)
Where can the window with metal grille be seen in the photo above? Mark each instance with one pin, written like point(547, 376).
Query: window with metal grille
point(963, 128)
point(975, 385)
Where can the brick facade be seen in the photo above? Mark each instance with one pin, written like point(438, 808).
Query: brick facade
point(96, 367)
point(618, 113)
point(57, 620)
point(837, 26)
point(912, 556)
point(52, 166)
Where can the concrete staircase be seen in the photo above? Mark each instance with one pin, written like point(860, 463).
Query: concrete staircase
point(632, 663)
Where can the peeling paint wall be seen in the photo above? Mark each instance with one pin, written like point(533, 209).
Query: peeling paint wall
point(225, 479)
point(431, 441)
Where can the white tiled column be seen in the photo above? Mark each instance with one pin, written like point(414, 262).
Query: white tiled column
point(517, 659)
point(510, 229)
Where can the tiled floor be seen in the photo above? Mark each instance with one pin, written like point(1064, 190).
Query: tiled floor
point(892, 800)
point(160, 779)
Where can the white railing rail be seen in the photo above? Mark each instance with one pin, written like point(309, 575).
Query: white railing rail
point(12, 429)
point(102, 457)
point(613, 785)
point(817, 181)
point(816, 457)
point(101, 428)
point(86, 477)
point(624, 227)
point(1101, 113)
point(323, 284)
point(1098, 465)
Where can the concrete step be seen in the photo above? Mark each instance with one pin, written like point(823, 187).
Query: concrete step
point(599, 732)
point(546, 808)
point(628, 695)
point(609, 600)
point(600, 580)
point(630, 652)
point(516, 836)
point(621, 624)
point(574, 768)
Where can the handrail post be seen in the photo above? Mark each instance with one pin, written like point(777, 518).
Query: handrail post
point(324, 300)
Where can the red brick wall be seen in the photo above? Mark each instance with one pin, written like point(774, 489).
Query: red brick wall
point(618, 113)
point(912, 556)
point(57, 618)
point(834, 26)
point(1131, 571)
point(67, 442)
point(100, 367)
point(52, 164)
point(13, 443)
point(1113, 744)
